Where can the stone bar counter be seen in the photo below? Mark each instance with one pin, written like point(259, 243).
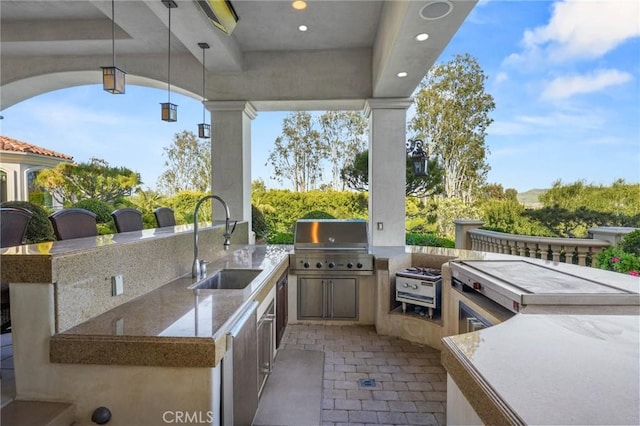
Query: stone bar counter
point(154, 348)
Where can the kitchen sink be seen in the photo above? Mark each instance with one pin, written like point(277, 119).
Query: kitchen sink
point(227, 279)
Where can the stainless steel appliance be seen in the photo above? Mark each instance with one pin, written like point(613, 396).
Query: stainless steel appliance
point(329, 256)
point(240, 370)
point(421, 287)
point(517, 283)
point(469, 320)
point(331, 247)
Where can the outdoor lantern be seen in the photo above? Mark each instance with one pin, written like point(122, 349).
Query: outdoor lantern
point(113, 78)
point(204, 130)
point(419, 163)
point(169, 110)
point(418, 157)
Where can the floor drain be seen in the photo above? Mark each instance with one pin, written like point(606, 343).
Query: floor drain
point(367, 383)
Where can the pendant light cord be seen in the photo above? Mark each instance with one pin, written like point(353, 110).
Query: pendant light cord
point(169, 70)
point(113, 31)
point(203, 70)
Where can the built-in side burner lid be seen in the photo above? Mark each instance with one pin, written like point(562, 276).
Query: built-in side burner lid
point(531, 283)
point(329, 234)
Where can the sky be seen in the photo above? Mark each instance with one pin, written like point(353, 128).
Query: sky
point(565, 77)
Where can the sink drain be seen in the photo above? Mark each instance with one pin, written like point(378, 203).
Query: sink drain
point(367, 383)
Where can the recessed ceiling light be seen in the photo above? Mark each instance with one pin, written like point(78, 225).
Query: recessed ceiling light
point(422, 36)
point(402, 74)
point(299, 4)
point(303, 28)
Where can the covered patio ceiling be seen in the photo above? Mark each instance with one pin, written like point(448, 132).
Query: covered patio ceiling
point(352, 50)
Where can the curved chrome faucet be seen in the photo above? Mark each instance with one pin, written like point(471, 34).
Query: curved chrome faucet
point(198, 269)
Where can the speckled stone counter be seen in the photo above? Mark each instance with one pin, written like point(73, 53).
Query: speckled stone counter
point(552, 366)
point(171, 326)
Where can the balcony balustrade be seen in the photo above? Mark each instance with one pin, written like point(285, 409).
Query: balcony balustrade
point(578, 251)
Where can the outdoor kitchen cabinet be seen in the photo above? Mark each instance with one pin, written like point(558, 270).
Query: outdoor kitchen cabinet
point(328, 298)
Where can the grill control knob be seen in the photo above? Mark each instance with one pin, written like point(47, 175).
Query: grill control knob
point(306, 264)
point(319, 265)
point(332, 265)
point(359, 265)
point(349, 265)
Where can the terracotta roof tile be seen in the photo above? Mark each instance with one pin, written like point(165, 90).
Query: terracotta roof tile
point(14, 145)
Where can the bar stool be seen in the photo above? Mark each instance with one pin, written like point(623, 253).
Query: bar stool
point(13, 229)
point(164, 217)
point(127, 220)
point(13, 226)
point(74, 223)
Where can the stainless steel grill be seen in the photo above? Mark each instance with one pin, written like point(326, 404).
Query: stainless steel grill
point(331, 247)
point(517, 283)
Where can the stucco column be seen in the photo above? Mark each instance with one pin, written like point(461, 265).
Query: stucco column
point(231, 156)
point(463, 226)
point(387, 164)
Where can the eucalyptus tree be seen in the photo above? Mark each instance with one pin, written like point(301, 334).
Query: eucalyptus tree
point(355, 174)
point(298, 153)
point(344, 133)
point(452, 117)
point(187, 165)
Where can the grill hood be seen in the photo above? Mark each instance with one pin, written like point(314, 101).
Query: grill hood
point(331, 234)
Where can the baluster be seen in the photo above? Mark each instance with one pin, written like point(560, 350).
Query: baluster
point(582, 255)
point(555, 252)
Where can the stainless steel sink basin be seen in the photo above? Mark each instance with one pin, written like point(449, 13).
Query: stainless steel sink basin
point(228, 279)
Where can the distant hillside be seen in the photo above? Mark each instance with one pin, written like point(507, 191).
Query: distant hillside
point(530, 198)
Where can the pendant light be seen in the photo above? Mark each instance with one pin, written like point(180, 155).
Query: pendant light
point(169, 110)
point(113, 78)
point(204, 129)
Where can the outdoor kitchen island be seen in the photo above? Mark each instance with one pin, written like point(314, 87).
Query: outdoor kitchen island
point(144, 386)
point(552, 364)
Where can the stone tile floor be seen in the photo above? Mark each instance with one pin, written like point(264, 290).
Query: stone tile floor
point(410, 382)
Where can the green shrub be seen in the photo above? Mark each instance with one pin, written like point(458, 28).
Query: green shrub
point(281, 238)
point(258, 223)
point(416, 239)
point(39, 228)
point(318, 214)
point(100, 208)
point(616, 259)
point(631, 243)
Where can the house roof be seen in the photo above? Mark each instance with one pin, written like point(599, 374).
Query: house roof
point(14, 145)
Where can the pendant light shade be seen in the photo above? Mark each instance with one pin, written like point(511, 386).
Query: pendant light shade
point(113, 78)
point(204, 129)
point(169, 110)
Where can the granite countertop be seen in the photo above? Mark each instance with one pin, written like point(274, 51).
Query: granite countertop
point(171, 325)
point(552, 365)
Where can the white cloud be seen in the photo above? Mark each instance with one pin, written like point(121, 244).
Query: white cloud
point(501, 76)
point(581, 29)
point(567, 86)
point(555, 122)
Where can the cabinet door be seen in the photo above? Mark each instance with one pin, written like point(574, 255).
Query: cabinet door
point(343, 293)
point(311, 298)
